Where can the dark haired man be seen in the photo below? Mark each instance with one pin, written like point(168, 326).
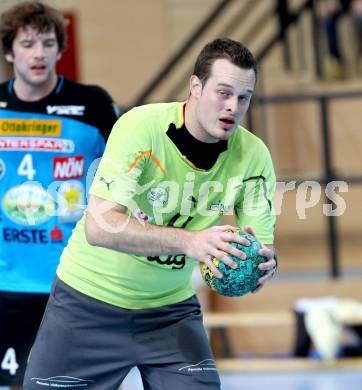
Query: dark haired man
point(51, 130)
point(123, 295)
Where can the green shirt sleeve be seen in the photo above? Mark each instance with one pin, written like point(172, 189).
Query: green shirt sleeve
point(255, 205)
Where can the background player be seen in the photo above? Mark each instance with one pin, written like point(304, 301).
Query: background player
point(51, 130)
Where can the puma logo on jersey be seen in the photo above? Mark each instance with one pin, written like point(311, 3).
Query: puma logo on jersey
point(66, 110)
point(107, 183)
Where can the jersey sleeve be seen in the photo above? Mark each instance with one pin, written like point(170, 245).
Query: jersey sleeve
point(106, 111)
point(124, 159)
point(255, 205)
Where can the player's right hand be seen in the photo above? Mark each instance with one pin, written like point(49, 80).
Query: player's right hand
point(215, 242)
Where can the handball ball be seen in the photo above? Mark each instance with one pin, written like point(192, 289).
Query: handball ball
point(243, 279)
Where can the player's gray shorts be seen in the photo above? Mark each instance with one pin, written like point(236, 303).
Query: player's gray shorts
point(86, 344)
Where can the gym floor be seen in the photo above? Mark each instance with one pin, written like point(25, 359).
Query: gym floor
point(307, 380)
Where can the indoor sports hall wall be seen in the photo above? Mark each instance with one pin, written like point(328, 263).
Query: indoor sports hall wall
point(122, 44)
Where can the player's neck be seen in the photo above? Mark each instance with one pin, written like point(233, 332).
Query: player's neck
point(31, 93)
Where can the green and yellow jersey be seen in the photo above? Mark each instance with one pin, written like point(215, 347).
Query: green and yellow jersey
point(143, 170)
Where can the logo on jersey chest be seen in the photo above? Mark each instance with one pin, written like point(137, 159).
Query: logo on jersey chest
point(141, 216)
point(70, 199)
point(157, 197)
point(32, 236)
point(220, 208)
point(68, 167)
point(25, 236)
point(28, 204)
point(37, 144)
point(66, 110)
point(30, 127)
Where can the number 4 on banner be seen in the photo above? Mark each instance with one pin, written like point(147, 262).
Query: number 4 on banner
point(9, 361)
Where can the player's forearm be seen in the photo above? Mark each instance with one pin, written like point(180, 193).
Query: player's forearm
point(120, 232)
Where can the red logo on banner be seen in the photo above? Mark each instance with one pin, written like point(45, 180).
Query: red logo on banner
point(68, 167)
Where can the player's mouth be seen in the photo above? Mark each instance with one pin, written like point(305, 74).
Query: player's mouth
point(227, 123)
point(38, 68)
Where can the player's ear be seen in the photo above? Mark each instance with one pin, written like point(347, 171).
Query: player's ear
point(9, 57)
point(59, 56)
point(195, 86)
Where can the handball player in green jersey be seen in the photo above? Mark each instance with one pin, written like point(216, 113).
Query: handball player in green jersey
point(123, 295)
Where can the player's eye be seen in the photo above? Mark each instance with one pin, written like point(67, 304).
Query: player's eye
point(26, 44)
point(244, 98)
point(50, 43)
point(224, 93)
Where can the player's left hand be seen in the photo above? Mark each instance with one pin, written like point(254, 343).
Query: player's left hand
point(270, 264)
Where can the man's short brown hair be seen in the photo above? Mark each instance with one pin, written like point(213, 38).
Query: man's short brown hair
point(223, 48)
point(35, 14)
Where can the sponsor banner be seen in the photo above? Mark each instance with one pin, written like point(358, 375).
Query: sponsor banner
point(28, 204)
point(68, 167)
point(29, 127)
point(60, 145)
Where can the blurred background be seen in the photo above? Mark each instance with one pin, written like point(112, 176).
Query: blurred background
point(307, 108)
